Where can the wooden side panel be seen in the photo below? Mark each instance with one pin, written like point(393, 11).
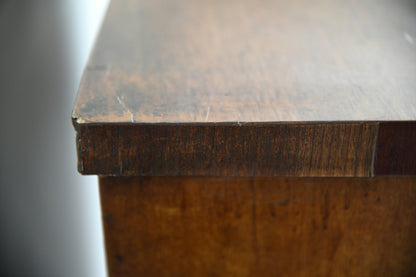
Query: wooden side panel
point(337, 149)
point(190, 226)
point(396, 149)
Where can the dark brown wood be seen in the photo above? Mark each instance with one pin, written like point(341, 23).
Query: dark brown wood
point(252, 61)
point(211, 87)
point(228, 150)
point(191, 226)
point(396, 149)
point(261, 89)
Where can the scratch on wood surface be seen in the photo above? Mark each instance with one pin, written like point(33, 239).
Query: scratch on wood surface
point(209, 107)
point(121, 102)
point(81, 165)
point(373, 160)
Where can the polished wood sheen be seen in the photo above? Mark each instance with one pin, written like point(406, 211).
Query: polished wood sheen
point(252, 61)
point(190, 226)
point(218, 84)
point(254, 137)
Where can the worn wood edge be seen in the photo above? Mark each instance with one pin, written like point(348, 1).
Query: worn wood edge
point(78, 120)
point(114, 162)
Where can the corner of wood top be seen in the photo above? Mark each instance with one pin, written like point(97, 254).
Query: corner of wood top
point(77, 121)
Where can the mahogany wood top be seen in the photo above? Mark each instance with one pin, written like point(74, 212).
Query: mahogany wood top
point(212, 82)
point(252, 61)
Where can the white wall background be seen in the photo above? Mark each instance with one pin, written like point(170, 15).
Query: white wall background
point(50, 221)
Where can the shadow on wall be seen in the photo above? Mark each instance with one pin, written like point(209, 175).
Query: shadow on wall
point(50, 222)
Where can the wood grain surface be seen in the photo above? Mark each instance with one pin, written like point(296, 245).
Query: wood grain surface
point(252, 61)
point(237, 88)
point(228, 150)
point(190, 226)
